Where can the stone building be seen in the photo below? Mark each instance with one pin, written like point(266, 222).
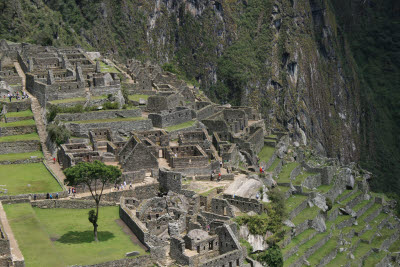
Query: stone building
point(170, 117)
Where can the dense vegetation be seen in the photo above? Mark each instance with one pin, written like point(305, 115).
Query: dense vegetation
point(373, 31)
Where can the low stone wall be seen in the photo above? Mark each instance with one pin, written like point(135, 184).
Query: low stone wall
point(373, 215)
point(364, 209)
point(346, 223)
point(134, 177)
point(19, 147)
point(68, 204)
point(270, 161)
point(175, 134)
point(333, 215)
point(296, 171)
point(21, 161)
point(312, 181)
point(388, 242)
point(17, 130)
point(82, 129)
point(98, 115)
point(144, 261)
point(317, 246)
point(298, 209)
point(14, 119)
point(328, 258)
point(26, 197)
point(133, 223)
point(278, 169)
point(17, 105)
point(355, 201)
point(300, 228)
point(326, 172)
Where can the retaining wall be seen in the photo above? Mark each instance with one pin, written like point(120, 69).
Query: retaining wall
point(68, 204)
point(19, 146)
point(17, 130)
point(98, 115)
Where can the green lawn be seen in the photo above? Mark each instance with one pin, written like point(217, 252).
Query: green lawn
point(17, 177)
point(22, 137)
point(107, 68)
point(25, 113)
point(18, 123)
point(306, 214)
point(68, 100)
point(64, 237)
point(111, 120)
point(323, 251)
point(137, 97)
point(294, 201)
point(18, 156)
point(180, 126)
point(284, 175)
point(266, 153)
point(273, 165)
point(301, 177)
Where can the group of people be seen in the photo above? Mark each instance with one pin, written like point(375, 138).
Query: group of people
point(262, 170)
point(48, 196)
point(213, 173)
point(122, 186)
point(17, 96)
point(72, 190)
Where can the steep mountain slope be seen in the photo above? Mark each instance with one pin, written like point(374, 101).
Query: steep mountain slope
point(290, 58)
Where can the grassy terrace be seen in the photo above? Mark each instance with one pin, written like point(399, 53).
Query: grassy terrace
point(306, 214)
point(107, 68)
point(360, 205)
point(303, 248)
point(266, 153)
point(284, 188)
point(294, 201)
point(25, 113)
point(18, 156)
point(395, 247)
point(301, 177)
point(137, 97)
point(184, 125)
point(284, 175)
point(347, 200)
point(110, 120)
point(64, 237)
point(298, 239)
point(318, 255)
point(18, 123)
point(374, 258)
point(22, 137)
point(76, 99)
point(27, 178)
point(273, 165)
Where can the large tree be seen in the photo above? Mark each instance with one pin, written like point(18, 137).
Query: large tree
point(95, 175)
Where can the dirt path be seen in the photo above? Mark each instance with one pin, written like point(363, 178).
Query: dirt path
point(41, 128)
point(16, 253)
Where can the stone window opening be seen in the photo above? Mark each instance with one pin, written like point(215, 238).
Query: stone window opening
point(230, 264)
point(237, 262)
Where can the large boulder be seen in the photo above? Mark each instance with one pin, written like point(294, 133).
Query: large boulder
point(319, 224)
point(320, 201)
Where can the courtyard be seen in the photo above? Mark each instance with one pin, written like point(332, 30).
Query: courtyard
point(64, 237)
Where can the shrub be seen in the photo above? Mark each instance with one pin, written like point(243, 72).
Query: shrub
point(272, 256)
point(58, 134)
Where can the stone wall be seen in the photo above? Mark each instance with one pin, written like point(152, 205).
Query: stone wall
point(19, 146)
point(298, 209)
point(25, 197)
point(233, 258)
point(68, 204)
point(144, 261)
point(82, 129)
point(326, 172)
point(312, 181)
point(170, 117)
point(21, 161)
point(14, 119)
point(133, 223)
point(17, 105)
point(99, 115)
point(245, 204)
point(170, 181)
point(204, 112)
point(17, 130)
point(328, 258)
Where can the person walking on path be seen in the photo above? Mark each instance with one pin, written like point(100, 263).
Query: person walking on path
point(54, 160)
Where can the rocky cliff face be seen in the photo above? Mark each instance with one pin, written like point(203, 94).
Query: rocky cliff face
point(286, 57)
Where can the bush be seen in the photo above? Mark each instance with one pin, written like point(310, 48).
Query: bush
point(58, 134)
point(110, 105)
point(272, 256)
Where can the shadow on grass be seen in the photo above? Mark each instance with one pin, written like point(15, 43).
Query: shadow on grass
point(76, 237)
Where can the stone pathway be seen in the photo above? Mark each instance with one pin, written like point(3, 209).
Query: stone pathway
point(41, 127)
point(16, 253)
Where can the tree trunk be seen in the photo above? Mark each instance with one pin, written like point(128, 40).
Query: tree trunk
point(95, 225)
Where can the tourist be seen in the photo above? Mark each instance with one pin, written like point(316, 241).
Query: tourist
point(69, 190)
point(34, 197)
point(9, 96)
point(130, 186)
point(212, 175)
point(220, 164)
point(219, 177)
point(54, 160)
point(56, 195)
point(124, 183)
point(47, 196)
point(51, 196)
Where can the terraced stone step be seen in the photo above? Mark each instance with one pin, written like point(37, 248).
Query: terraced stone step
point(324, 254)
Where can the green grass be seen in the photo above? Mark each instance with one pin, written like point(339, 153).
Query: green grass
point(323, 251)
point(274, 165)
point(137, 97)
point(18, 123)
point(301, 177)
point(324, 188)
point(180, 126)
point(284, 189)
point(339, 260)
point(284, 175)
point(360, 205)
point(347, 200)
point(22, 137)
point(306, 214)
point(25, 113)
point(374, 258)
point(298, 239)
point(395, 247)
point(64, 237)
point(266, 153)
point(273, 136)
point(303, 248)
point(111, 120)
point(16, 178)
point(107, 68)
point(18, 156)
point(294, 201)
point(68, 100)
point(206, 193)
